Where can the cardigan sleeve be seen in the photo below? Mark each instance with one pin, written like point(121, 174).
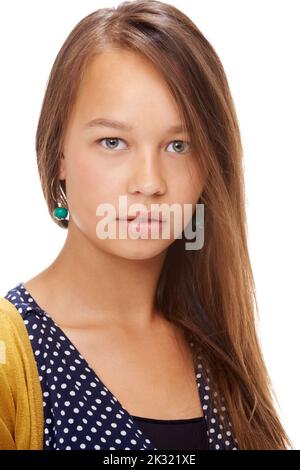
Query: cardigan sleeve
point(21, 404)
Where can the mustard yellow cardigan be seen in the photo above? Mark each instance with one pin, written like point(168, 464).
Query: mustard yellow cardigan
point(21, 399)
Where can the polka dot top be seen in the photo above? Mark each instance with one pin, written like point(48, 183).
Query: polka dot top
point(80, 412)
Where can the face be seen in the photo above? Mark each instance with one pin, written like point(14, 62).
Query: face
point(144, 160)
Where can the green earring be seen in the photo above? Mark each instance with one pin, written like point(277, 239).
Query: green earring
point(60, 212)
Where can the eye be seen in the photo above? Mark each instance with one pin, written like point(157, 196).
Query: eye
point(177, 144)
point(112, 144)
point(111, 141)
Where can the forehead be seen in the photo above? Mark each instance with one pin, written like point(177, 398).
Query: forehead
point(121, 83)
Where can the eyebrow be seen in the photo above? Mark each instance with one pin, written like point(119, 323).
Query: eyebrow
point(102, 122)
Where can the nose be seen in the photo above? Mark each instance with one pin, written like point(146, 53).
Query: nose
point(147, 176)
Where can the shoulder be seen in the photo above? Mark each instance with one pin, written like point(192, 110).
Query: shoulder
point(21, 404)
point(12, 328)
point(14, 339)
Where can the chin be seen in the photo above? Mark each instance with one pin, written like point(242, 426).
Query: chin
point(136, 249)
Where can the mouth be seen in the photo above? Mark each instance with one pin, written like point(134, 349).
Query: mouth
point(144, 218)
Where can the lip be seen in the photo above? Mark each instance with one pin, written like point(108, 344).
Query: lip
point(144, 217)
point(142, 222)
point(142, 226)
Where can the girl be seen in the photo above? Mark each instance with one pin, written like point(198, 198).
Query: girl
point(135, 342)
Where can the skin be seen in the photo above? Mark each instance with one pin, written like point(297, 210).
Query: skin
point(115, 280)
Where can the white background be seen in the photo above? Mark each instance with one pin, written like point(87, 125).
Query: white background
point(258, 43)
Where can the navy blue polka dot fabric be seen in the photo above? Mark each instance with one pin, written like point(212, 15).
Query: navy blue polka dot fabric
point(80, 412)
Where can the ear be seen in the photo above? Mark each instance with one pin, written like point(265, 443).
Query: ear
point(62, 168)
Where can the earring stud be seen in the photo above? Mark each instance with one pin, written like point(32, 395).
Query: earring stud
point(60, 212)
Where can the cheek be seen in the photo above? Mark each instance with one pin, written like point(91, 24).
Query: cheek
point(186, 189)
point(186, 181)
point(87, 186)
point(81, 171)
point(195, 188)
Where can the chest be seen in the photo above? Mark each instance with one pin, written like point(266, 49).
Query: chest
point(151, 374)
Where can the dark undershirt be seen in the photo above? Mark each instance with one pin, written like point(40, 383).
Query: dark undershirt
point(176, 434)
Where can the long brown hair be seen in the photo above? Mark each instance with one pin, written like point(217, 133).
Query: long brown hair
point(209, 293)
